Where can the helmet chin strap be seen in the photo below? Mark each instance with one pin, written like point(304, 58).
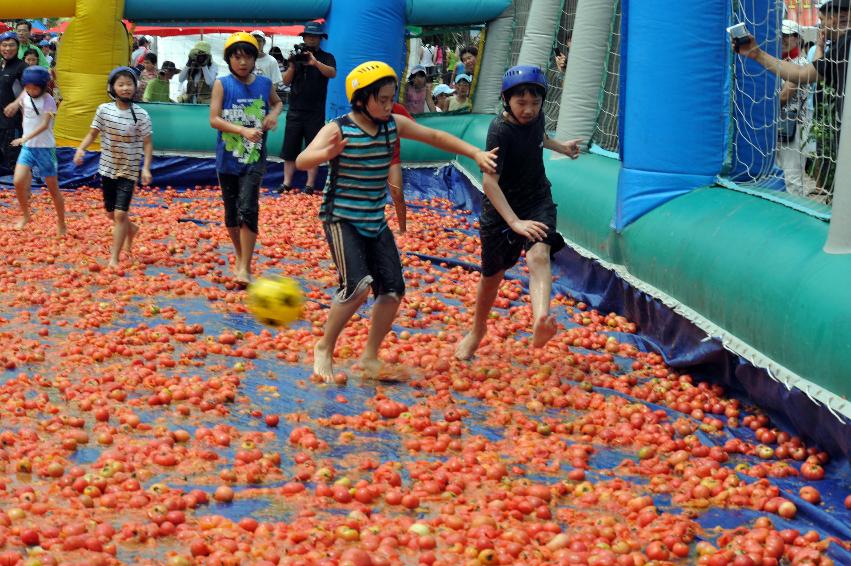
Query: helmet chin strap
point(125, 100)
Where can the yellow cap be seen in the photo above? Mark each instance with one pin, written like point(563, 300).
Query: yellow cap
point(241, 36)
point(365, 74)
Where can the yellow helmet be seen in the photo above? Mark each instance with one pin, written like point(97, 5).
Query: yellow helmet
point(241, 36)
point(365, 74)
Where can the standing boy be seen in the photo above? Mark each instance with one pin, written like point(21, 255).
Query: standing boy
point(518, 212)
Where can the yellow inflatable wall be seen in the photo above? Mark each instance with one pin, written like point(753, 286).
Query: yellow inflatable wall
point(94, 43)
point(41, 9)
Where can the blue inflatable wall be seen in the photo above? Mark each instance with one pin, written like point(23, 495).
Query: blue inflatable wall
point(440, 12)
point(674, 101)
point(366, 30)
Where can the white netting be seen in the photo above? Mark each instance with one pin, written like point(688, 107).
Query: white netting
point(786, 135)
point(558, 63)
point(606, 126)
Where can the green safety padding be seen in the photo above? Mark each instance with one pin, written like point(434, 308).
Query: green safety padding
point(755, 268)
point(185, 128)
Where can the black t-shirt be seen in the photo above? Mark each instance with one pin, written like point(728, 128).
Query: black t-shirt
point(833, 67)
point(10, 73)
point(310, 87)
point(520, 166)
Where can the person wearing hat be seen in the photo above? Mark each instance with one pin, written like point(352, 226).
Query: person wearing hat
point(266, 65)
point(461, 100)
point(793, 100)
point(158, 89)
point(24, 30)
point(142, 49)
point(307, 75)
point(199, 74)
point(418, 93)
point(830, 64)
point(44, 45)
point(441, 94)
point(11, 72)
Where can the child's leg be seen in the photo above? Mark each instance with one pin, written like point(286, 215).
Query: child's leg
point(120, 228)
point(23, 180)
point(248, 218)
point(485, 297)
point(247, 241)
point(323, 351)
point(540, 290)
point(58, 202)
point(230, 191)
point(381, 321)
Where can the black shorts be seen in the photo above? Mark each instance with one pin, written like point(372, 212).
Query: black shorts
point(9, 154)
point(501, 246)
point(300, 129)
point(363, 261)
point(240, 194)
point(117, 193)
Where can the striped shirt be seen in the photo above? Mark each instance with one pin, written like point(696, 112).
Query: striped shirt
point(121, 140)
point(356, 190)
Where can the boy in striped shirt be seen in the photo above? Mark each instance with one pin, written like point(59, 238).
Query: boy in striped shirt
point(125, 137)
point(360, 147)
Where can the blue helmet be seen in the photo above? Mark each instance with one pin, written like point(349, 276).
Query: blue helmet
point(9, 35)
point(114, 75)
point(523, 74)
point(36, 75)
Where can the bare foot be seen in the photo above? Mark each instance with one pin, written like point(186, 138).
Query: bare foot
point(62, 229)
point(19, 225)
point(468, 345)
point(375, 369)
point(543, 331)
point(243, 278)
point(131, 233)
point(323, 363)
point(234, 265)
point(113, 264)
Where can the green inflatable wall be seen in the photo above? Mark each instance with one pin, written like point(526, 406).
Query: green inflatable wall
point(753, 267)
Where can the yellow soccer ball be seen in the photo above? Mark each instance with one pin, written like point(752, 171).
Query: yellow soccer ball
point(276, 301)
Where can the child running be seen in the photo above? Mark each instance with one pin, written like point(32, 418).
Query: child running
point(125, 138)
point(360, 147)
point(244, 106)
point(38, 153)
point(518, 212)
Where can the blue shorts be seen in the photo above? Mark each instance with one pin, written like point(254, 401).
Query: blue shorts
point(42, 160)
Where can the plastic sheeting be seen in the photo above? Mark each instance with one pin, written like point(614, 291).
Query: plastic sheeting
point(369, 30)
point(580, 96)
point(663, 155)
point(225, 11)
point(440, 12)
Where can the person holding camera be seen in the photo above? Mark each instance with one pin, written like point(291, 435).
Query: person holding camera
point(307, 74)
point(199, 74)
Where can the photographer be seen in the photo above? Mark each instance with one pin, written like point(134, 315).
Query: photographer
point(307, 74)
point(199, 74)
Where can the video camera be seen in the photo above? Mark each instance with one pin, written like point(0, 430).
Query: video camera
point(299, 53)
point(199, 60)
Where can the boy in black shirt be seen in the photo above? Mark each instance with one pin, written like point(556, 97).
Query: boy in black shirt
point(518, 213)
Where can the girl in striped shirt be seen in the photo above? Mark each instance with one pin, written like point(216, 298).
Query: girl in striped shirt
point(359, 146)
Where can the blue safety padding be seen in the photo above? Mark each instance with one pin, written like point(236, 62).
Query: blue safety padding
point(641, 191)
point(368, 30)
point(224, 11)
point(682, 136)
point(444, 12)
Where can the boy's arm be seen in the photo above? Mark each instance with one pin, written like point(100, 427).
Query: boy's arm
point(531, 229)
point(219, 123)
point(42, 127)
point(81, 149)
point(270, 122)
point(397, 193)
point(486, 160)
point(568, 148)
point(148, 147)
point(327, 145)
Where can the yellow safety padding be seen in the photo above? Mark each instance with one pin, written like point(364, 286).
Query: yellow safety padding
point(94, 43)
point(12, 10)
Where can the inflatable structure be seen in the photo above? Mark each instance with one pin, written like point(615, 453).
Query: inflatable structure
point(733, 285)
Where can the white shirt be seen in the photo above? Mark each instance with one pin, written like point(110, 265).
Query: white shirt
point(428, 56)
point(121, 140)
point(267, 66)
point(32, 119)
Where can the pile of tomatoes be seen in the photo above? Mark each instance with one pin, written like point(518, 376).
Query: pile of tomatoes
point(147, 419)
